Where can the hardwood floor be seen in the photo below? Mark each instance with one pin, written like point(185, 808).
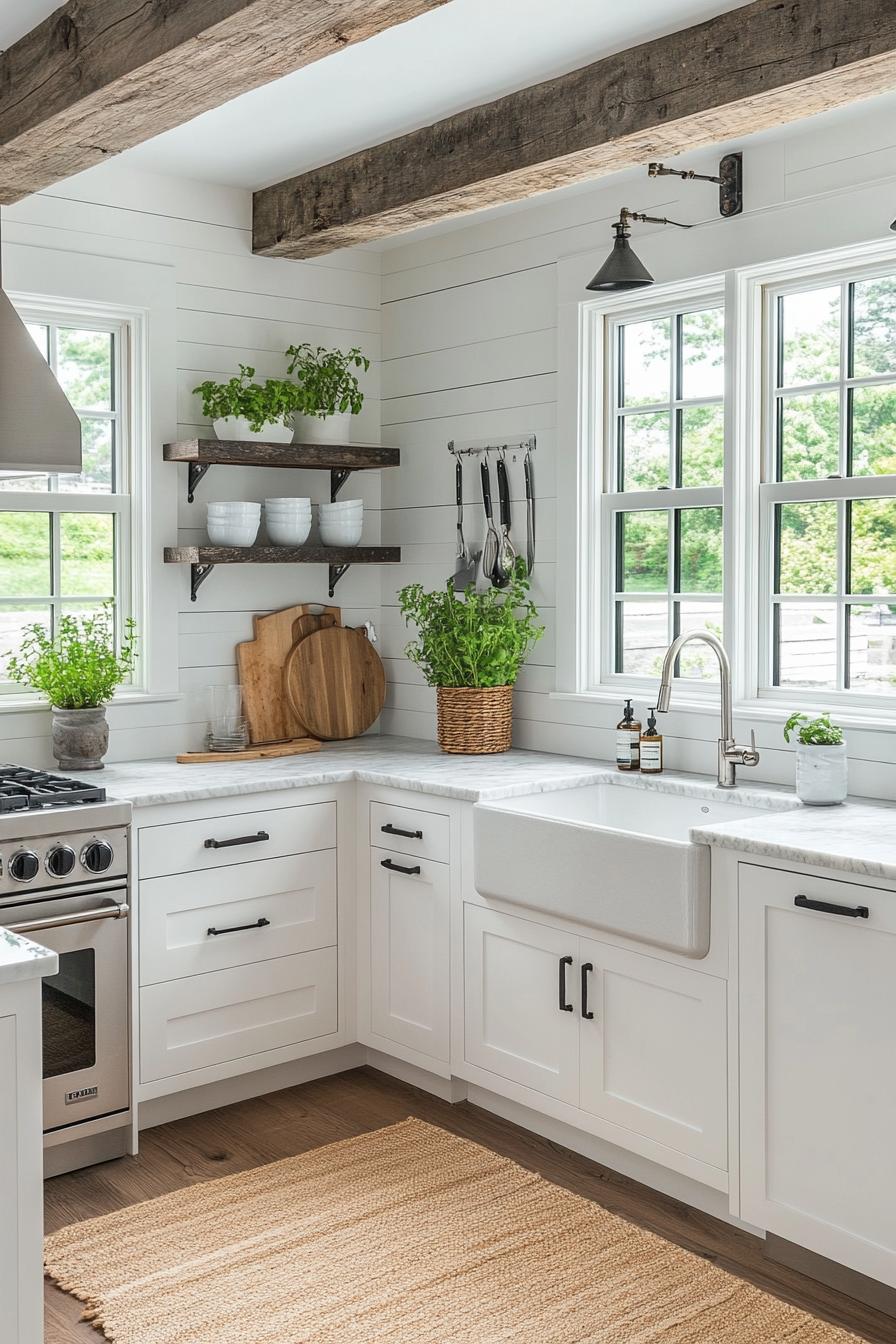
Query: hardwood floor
point(284, 1123)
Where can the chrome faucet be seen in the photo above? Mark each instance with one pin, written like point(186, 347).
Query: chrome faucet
point(730, 754)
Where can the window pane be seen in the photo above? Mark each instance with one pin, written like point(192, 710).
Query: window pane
point(14, 616)
point(702, 354)
point(25, 555)
point(700, 550)
point(646, 362)
point(697, 661)
point(872, 648)
point(642, 637)
point(873, 546)
point(97, 443)
point(85, 368)
point(644, 551)
point(807, 542)
point(874, 429)
point(15, 480)
point(86, 543)
point(874, 327)
point(644, 450)
point(702, 445)
point(807, 644)
point(810, 337)
point(809, 436)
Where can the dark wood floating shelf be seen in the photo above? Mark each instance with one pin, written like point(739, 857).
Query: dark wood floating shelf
point(202, 559)
point(339, 459)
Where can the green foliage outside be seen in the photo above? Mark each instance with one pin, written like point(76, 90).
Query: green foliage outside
point(87, 565)
point(79, 667)
point(818, 732)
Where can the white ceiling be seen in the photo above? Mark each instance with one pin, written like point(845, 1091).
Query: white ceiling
point(462, 54)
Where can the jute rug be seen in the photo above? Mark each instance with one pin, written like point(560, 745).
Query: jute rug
point(406, 1235)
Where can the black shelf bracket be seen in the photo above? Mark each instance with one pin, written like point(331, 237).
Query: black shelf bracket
point(198, 575)
point(338, 478)
point(195, 473)
point(336, 573)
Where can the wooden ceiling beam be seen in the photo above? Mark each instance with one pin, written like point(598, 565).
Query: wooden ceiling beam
point(99, 76)
point(766, 63)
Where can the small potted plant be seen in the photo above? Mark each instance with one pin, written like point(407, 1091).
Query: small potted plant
point(78, 669)
point(820, 759)
point(471, 649)
point(328, 391)
point(243, 409)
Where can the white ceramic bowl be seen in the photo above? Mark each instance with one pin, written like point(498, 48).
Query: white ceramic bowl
point(223, 532)
point(342, 506)
point(288, 532)
point(279, 511)
point(233, 506)
point(340, 534)
point(234, 515)
point(289, 502)
point(354, 516)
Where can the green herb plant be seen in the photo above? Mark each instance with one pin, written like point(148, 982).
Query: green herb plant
point(818, 732)
point(268, 403)
point(478, 639)
point(326, 384)
point(78, 667)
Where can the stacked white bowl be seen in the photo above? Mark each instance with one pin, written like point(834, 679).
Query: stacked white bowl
point(341, 522)
point(288, 521)
point(233, 523)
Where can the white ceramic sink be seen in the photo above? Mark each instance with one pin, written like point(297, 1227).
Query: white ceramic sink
point(615, 857)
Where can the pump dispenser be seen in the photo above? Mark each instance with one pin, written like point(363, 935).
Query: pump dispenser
point(628, 740)
point(651, 747)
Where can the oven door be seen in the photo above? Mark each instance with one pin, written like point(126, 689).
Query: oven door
point(86, 1066)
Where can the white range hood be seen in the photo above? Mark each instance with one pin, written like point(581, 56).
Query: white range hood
point(39, 431)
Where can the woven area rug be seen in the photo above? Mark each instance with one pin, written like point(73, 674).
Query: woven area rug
point(406, 1235)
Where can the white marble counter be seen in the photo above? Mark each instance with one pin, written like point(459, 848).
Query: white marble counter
point(857, 838)
point(20, 959)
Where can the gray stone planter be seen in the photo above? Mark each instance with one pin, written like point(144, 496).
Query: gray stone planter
point(80, 738)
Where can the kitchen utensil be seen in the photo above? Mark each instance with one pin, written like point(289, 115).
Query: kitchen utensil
point(490, 541)
point(335, 683)
point(465, 561)
point(260, 661)
point(506, 551)
point(307, 624)
point(530, 512)
point(297, 747)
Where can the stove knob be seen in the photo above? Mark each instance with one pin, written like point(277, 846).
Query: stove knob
point(97, 856)
point(24, 866)
point(60, 861)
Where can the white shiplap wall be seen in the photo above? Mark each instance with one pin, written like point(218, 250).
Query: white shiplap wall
point(231, 307)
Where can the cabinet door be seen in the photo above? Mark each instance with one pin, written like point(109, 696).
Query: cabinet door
point(818, 1086)
point(513, 1023)
point(409, 985)
point(653, 1056)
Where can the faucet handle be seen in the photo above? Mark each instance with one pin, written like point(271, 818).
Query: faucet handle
point(750, 753)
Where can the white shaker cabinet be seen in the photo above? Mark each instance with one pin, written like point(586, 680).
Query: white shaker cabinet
point(817, 1076)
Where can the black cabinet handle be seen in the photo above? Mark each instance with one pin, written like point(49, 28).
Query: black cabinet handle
point(586, 967)
point(850, 911)
point(564, 1006)
point(389, 829)
point(397, 868)
point(240, 928)
point(238, 840)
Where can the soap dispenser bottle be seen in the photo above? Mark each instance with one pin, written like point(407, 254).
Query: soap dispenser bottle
point(651, 747)
point(628, 740)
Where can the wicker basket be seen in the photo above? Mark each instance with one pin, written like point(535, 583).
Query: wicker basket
point(474, 720)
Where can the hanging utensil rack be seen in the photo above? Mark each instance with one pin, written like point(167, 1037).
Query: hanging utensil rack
point(476, 447)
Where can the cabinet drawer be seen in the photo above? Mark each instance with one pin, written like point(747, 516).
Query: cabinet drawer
point(296, 895)
point(426, 834)
point(779, 887)
point(182, 847)
point(233, 1014)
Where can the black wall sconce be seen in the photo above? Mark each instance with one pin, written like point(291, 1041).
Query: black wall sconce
point(622, 268)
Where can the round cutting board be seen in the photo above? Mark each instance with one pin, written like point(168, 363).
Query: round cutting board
point(335, 683)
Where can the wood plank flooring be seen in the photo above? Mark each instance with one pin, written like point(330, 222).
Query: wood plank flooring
point(293, 1121)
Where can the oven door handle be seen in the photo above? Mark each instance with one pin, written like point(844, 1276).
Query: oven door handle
point(115, 911)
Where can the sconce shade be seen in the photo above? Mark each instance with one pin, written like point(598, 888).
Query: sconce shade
point(622, 269)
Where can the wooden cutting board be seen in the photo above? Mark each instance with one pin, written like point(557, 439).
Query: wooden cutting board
point(269, 715)
point(335, 683)
point(297, 747)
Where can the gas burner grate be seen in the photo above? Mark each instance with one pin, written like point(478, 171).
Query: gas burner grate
point(23, 790)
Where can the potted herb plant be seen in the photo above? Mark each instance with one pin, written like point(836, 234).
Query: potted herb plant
point(78, 669)
point(243, 409)
point(820, 759)
point(471, 648)
point(328, 391)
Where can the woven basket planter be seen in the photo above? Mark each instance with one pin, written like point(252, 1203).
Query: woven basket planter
point(474, 720)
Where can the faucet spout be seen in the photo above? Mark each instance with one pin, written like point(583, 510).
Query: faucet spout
point(730, 754)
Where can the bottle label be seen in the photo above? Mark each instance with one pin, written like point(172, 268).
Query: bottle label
point(627, 747)
point(651, 754)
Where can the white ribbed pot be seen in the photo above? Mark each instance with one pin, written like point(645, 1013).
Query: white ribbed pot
point(330, 429)
point(821, 774)
point(237, 427)
point(80, 738)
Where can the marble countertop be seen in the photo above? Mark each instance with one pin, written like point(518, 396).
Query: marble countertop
point(854, 837)
point(20, 959)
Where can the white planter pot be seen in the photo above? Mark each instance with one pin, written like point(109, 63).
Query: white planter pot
point(821, 775)
point(236, 427)
point(333, 429)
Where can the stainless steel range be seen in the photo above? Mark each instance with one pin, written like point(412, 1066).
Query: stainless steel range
point(64, 883)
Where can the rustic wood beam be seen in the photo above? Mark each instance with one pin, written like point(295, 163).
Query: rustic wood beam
point(99, 76)
point(758, 66)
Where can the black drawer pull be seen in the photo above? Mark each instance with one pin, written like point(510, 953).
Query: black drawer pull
point(850, 911)
point(389, 829)
point(586, 967)
point(240, 928)
point(564, 1006)
point(397, 868)
point(238, 840)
